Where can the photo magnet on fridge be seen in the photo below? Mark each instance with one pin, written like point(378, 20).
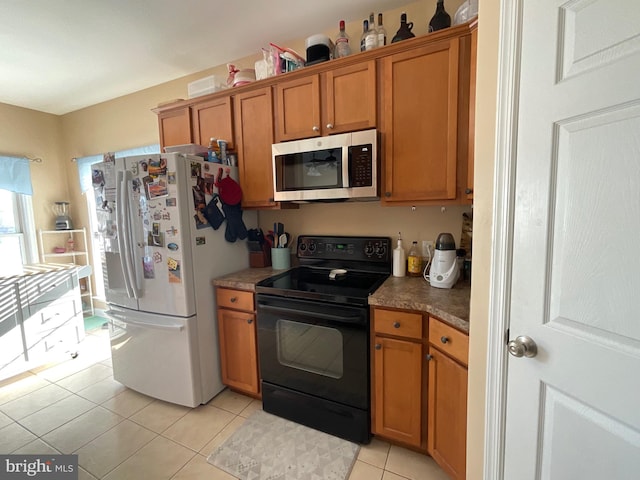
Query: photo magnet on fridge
point(158, 167)
point(148, 267)
point(171, 178)
point(174, 270)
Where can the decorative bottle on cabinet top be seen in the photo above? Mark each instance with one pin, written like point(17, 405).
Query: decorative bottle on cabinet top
point(365, 29)
point(440, 19)
point(343, 48)
point(382, 33)
point(404, 31)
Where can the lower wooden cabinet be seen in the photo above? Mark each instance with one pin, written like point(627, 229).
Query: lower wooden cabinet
point(447, 413)
point(238, 340)
point(398, 398)
point(447, 406)
point(419, 385)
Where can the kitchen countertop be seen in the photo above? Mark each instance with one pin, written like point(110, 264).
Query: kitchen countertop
point(410, 293)
point(414, 293)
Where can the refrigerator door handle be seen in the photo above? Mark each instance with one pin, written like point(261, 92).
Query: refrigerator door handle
point(115, 316)
point(129, 240)
point(120, 213)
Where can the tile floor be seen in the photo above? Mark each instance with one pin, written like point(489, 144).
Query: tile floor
point(77, 407)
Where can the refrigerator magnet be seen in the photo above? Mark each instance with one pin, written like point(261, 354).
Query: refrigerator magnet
point(201, 221)
point(148, 267)
point(174, 270)
point(157, 257)
point(158, 167)
point(171, 178)
point(172, 232)
point(172, 246)
point(171, 202)
point(155, 240)
point(196, 169)
point(200, 241)
point(157, 189)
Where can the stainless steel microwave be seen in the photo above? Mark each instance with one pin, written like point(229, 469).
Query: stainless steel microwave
point(336, 167)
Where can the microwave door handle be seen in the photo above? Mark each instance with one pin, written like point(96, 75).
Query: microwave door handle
point(120, 211)
point(346, 161)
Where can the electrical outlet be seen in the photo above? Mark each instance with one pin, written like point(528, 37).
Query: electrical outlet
point(427, 249)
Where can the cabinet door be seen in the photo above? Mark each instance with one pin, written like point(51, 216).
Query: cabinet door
point(213, 118)
point(447, 413)
point(238, 350)
point(254, 136)
point(397, 391)
point(350, 101)
point(175, 127)
point(298, 108)
point(420, 104)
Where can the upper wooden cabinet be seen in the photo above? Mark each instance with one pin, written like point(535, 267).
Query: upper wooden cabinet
point(253, 121)
point(420, 123)
point(336, 101)
point(175, 126)
point(213, 118)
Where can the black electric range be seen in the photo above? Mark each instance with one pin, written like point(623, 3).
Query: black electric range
point(313, 334)
point(334, 269)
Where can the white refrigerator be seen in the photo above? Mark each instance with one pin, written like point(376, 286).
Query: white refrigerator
point(156, 218)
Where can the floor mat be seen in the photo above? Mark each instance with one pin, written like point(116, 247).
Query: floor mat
point(94, 322)
point(268, 447)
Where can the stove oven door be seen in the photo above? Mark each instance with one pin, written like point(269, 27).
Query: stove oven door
point(316, 348)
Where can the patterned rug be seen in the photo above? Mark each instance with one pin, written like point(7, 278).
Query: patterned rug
point(267, 447)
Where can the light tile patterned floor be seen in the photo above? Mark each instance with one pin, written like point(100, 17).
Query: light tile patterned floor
point(77, 407)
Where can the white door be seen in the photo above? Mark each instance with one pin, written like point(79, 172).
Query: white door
point(573, 411)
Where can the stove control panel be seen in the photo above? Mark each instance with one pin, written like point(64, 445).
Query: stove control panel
point(363, 249)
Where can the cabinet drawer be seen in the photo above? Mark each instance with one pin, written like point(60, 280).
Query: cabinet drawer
point(236, 299)
point(47, 319)
point(449, 340)
point(402, 324)
point(48, 287)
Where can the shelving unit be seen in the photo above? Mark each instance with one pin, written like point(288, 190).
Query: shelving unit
point(75, 244)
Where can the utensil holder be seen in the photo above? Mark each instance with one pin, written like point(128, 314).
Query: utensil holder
point(280, 258)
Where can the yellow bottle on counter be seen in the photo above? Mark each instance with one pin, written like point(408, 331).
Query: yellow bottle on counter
point(414, 261)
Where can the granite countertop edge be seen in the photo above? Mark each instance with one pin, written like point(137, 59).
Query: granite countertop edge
point(408, 293)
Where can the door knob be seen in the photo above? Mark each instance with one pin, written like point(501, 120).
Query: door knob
point(523, 346)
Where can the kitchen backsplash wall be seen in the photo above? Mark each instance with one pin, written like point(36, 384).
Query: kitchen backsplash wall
point(368, 218)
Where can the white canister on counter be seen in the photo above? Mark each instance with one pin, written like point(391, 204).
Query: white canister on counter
point(399, 259)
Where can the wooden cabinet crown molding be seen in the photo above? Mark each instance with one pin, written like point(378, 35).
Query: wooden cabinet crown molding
point(355, 58)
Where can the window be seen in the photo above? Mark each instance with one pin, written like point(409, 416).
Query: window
point(17, 231)
point(84, 175)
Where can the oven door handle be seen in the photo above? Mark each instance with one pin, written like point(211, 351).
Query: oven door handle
point(323, 316)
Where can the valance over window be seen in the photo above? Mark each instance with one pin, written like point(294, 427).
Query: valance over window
point(15, 175)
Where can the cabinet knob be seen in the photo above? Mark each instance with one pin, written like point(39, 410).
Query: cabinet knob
point(378, 346)
point(396, 324)
point(330, 126)
point(315, 128)
point(233, 299)
point(271, 200)
point(468, 191)
point(429, 357)
point(249, 321)
point(444, 339)
point(387, 194)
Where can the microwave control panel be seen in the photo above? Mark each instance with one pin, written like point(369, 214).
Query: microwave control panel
point(361, 165)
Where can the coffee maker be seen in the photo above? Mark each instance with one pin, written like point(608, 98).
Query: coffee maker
point(63, 220)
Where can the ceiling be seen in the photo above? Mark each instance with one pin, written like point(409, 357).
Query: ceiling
point(58, 56)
